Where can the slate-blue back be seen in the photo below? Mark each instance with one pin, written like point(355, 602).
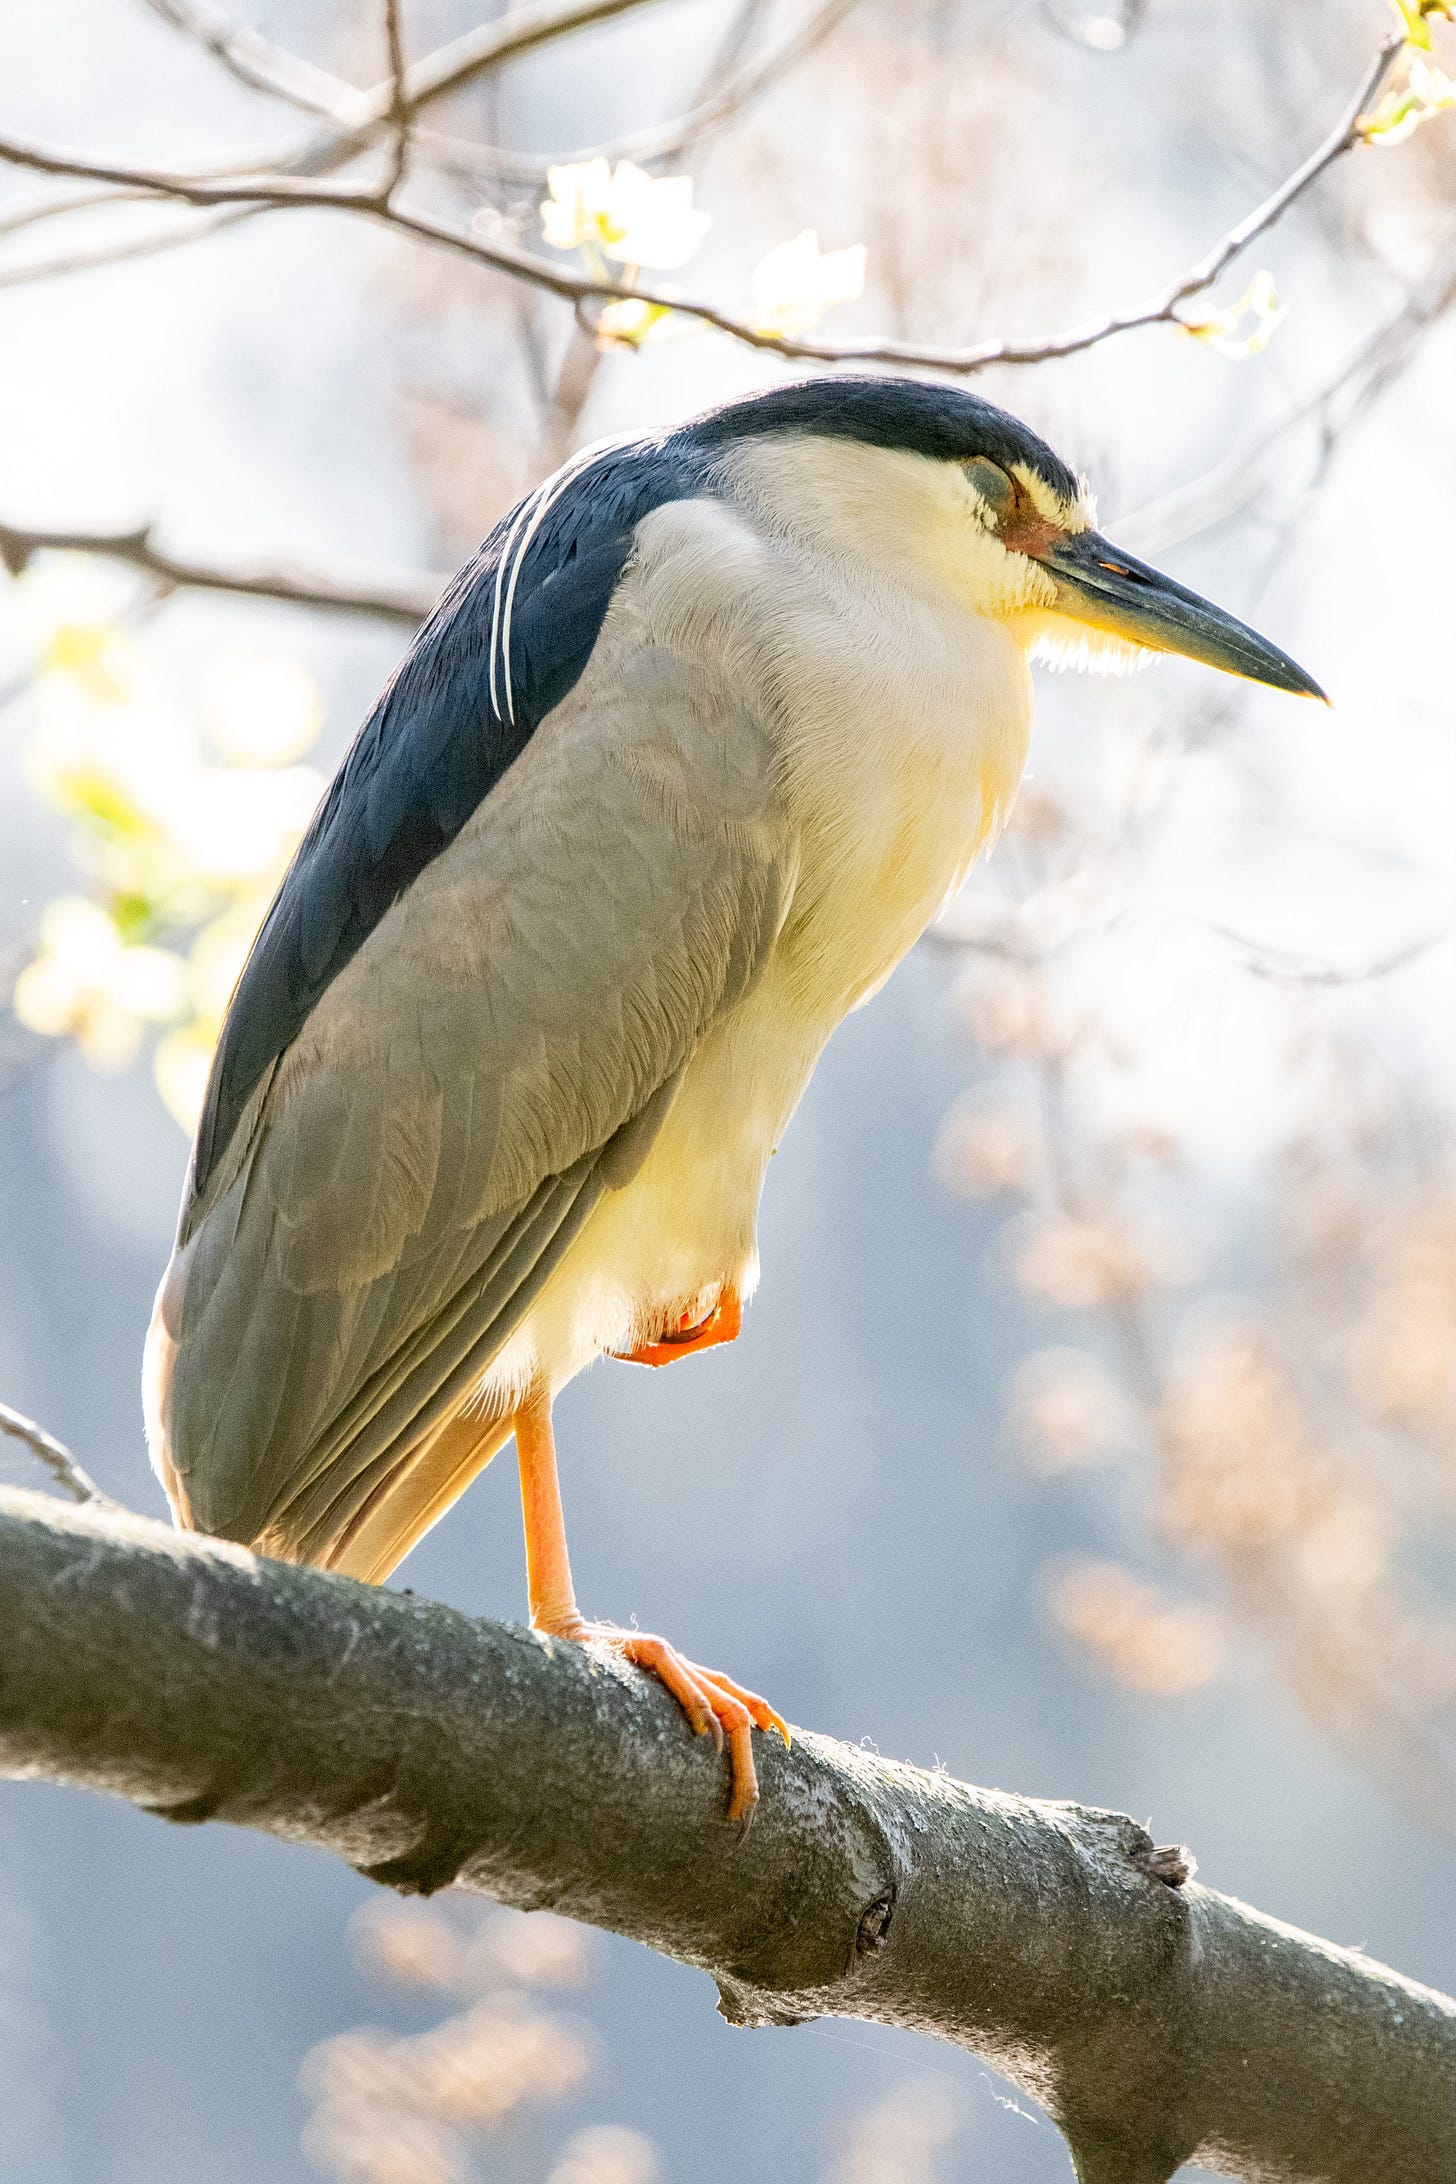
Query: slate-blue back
point(430, 751)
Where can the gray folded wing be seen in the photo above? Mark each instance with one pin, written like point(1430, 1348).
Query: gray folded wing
point(496, 1054)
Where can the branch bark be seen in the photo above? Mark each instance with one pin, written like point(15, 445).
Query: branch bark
point(1157, 2021)
point(390, 596)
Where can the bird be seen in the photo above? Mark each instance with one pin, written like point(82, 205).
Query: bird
point(685, 760)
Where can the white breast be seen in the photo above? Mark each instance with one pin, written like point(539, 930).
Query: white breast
point(902, 722)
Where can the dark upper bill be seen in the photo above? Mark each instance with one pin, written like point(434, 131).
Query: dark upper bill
point(1107, 588)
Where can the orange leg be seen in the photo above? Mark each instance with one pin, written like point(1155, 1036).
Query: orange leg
point(714, 1704)
point(723, 1324)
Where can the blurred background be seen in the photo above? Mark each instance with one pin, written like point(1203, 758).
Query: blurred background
point(1092, 1431)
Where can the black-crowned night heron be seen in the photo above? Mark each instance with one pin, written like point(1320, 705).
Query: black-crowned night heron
point(685, 760)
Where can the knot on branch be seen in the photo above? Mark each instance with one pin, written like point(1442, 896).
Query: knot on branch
point(1170, 1863)
point(874, 1924)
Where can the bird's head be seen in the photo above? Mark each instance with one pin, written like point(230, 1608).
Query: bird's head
point(932, 476)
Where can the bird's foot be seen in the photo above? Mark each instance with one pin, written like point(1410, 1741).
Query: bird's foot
point(715, 1705)
point(722, 1324)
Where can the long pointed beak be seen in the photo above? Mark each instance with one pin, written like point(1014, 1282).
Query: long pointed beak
point(1108, 589)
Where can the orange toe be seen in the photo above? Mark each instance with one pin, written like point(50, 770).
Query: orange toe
point(715, 1706)
point(723, 1324)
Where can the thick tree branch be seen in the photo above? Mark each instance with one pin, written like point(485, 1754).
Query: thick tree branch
point(391, 596)
point(282, 191)
point(1157, 2022)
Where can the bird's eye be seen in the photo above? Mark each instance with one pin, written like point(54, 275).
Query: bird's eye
point(991, 482)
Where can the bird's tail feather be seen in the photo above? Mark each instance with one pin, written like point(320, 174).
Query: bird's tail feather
point(412, 1494)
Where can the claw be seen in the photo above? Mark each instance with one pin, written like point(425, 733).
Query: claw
point(714, 1704)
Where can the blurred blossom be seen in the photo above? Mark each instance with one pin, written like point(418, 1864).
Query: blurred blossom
point(409, 2109)
point(1246, 326)
point(262, 711)
point(898, 2139)
point(1037, 817)
point(535, 1947)
point(1404, 1358)
point(1413, 17)
point(470, 2071)
point(88, 984)
point(628, 215)
point(1079, 1264)
point(1065, 1411)
point(420, 1945)
point(1345, 1547)
point(797, 283)
point(1008, 1012)
point(1241, 1469)
point(63, 612)
point(415, 1944)
point(181, 1064)
point(94, 654)
point(983, 1151)
point(1149, 1142)
point(184, 853)
point(628, 321)
point(218, 955)
point(1134, 1631)
point(1426, 92)
point(364, 2144)
point(607, 2153)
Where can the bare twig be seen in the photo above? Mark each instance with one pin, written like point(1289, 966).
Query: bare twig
point(274, 69)
point(1158, 2021)
point(724, 97)
point(391, 597)
point(286, 191)
point(1001, 939)
point(266, 67)
point(56, 1457)
point(1342, 138)
point(254, 60)
point(92, 257)
point(1284, 968)
point(1227, 487)
point(399, 118)
point(61, 208)
point(319, 93)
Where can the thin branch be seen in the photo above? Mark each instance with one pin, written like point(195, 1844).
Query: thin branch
point(282, 191)
point(390, 596)
point(1223, 490)
point(60, 208)
point(274, 69)
point(1342, 138)
point(1157, 2021)
point(399, 118)
point(1284, 968)
point(1001, 938)
point(254, 60)
point(90, 258)
point(266, 67)
point(56, 1457)
point(450, 156)
point(657, 140)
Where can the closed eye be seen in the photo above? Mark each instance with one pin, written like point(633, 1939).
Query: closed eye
point(995, 488)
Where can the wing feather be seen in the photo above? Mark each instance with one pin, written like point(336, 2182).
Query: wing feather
point(499, 1051)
